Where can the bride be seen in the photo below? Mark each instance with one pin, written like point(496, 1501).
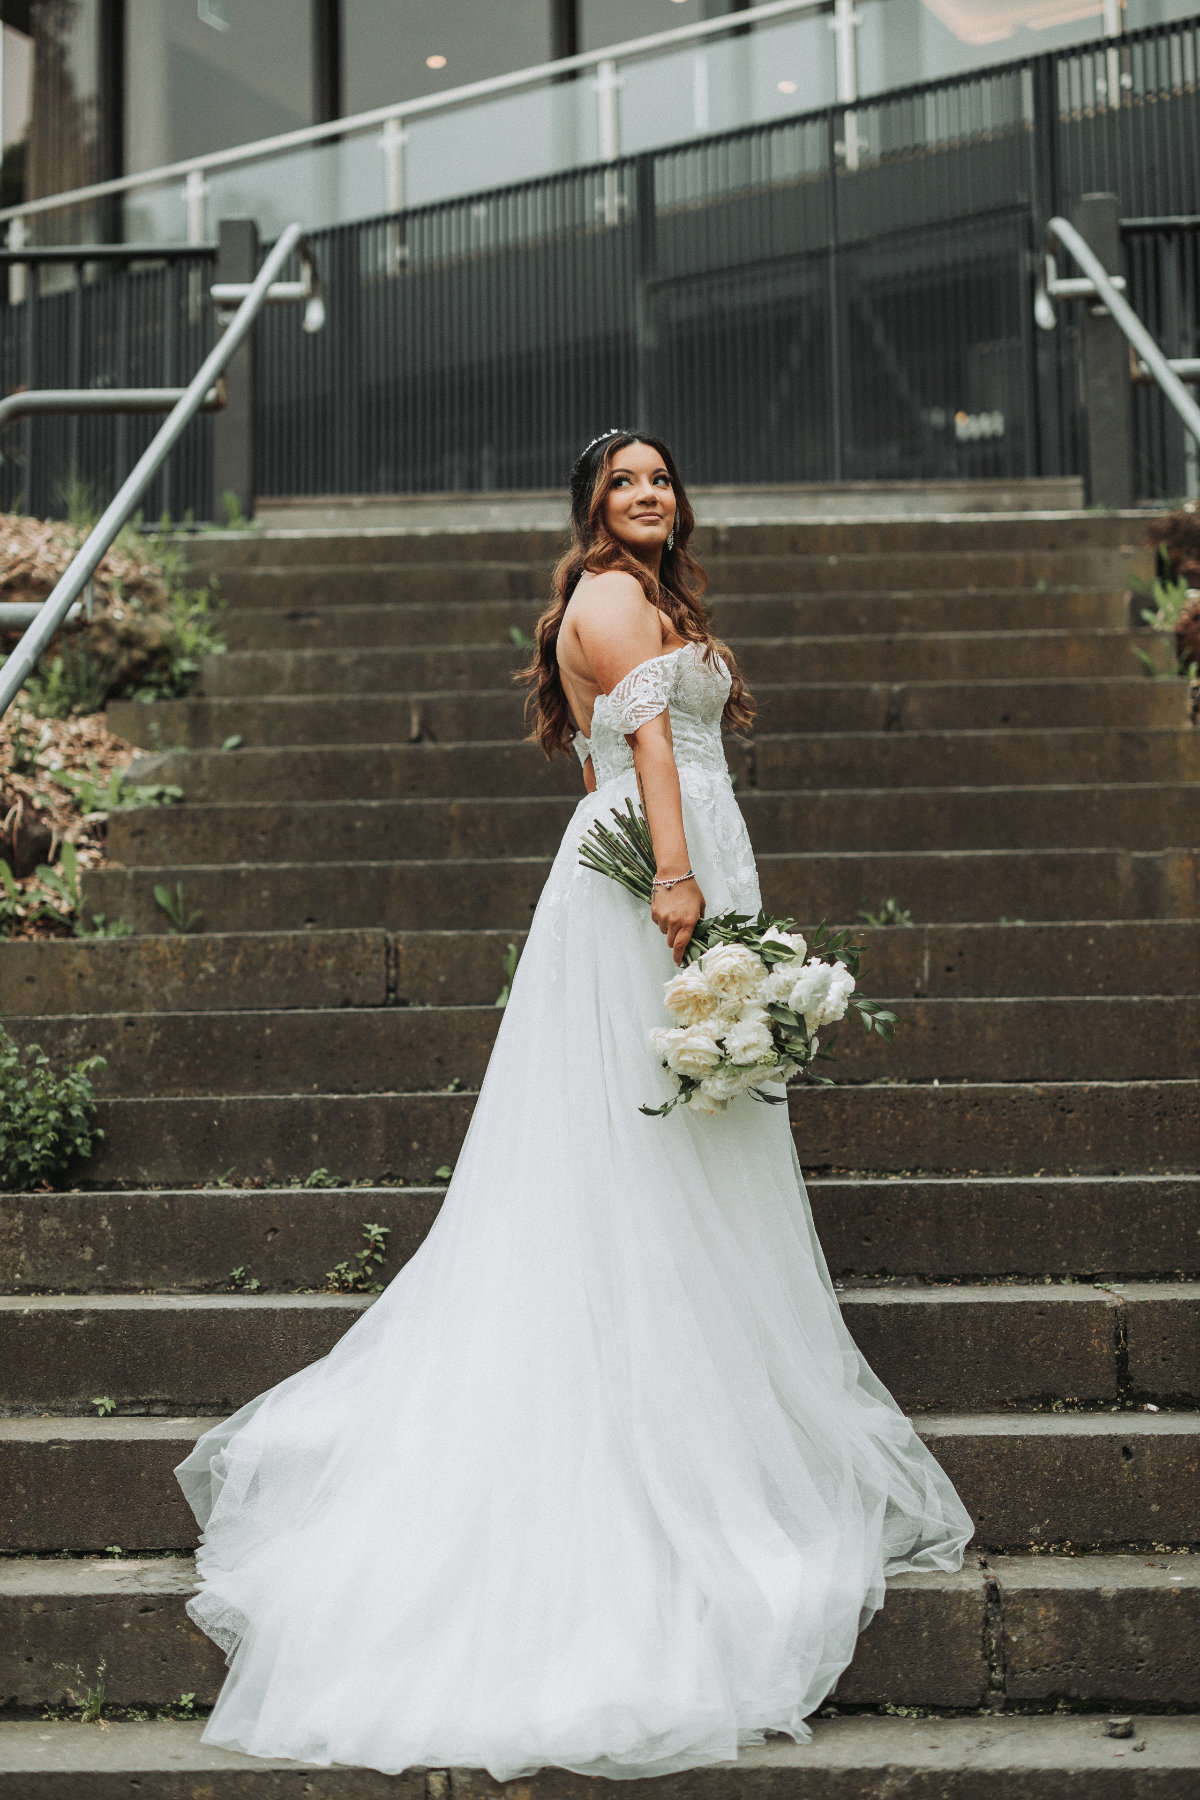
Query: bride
point(601, 1480)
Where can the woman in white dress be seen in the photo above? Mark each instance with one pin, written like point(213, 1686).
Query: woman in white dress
point(601, 1481)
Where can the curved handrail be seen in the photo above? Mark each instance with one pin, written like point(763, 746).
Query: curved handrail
point(1097, 283)
point(83, 565)
point(34, 401)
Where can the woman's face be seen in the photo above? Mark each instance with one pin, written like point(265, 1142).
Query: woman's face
point(639, 507)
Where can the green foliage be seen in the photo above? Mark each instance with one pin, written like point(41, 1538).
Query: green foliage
point(99, 925)
point(356, 1277)
point(520, 639)
point(77, 500)
point(104, 1405)
point(1166, 597)
point(192, 631)
point(91, 1709)
point(94, 794)
point(47, 1120)
point(320, 1178)
point(61, 884)
point(235, 518)
point(444, 1173)
point(242, 1282)
point(890, 913)
point(509, 966)
point(234, 741)
point(173, 904)
point(22, 751)
point(74, 681)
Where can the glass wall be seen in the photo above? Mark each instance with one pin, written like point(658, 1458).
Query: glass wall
point(205, 74)
point(401, 49)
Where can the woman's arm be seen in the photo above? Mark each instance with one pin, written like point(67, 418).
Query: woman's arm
point(618, 629)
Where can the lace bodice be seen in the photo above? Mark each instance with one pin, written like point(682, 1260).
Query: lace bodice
point(682, 682)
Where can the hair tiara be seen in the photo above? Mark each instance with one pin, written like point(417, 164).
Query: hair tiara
point(613, 431)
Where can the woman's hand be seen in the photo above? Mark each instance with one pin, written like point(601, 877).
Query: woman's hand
point(676, 911)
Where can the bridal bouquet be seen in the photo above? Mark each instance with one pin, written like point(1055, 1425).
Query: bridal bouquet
point(751, 995)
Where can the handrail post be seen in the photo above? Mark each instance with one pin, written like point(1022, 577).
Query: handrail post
point(1107, 391)
point(233, 429)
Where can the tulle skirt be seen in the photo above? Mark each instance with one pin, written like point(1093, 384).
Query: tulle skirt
point(600, 1481)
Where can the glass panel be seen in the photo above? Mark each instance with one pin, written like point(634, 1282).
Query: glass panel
point(207, 74)
point(63, 119)
point(318, 185)
point(401, 49)
point(604, 22)
point(16, 106)
point(517, 137)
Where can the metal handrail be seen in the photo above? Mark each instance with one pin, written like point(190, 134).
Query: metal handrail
point(54, 609)
point(101, 400)
point(1096, 283)
point(304, 135)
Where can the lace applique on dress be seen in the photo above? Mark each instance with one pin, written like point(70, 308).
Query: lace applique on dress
point(583, 747)
point(642, 694)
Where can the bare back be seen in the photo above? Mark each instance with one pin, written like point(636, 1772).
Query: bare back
point(609, 627)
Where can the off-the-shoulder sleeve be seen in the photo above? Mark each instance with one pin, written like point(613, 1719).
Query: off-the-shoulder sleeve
point(583, 747)
point(642, 694)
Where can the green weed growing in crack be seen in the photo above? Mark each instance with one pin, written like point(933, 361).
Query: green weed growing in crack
point(321, 1178)
point(173, 904)
point(890, 913)
point(104, 1405)
point(356, 1277)
point(509, 968)
point(91, 1707)
point(242, 1282)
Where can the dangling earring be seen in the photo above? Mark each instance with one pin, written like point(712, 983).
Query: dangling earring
point(671, 538)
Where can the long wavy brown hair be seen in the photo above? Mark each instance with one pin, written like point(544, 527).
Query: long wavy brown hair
point(594, 550)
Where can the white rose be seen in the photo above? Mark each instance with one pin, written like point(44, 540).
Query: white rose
point(777, 988)
point(787, 940)
point(689, 1051)
point(732, 971)
point(822, 993)
point(750, 1039)
point(689, 997)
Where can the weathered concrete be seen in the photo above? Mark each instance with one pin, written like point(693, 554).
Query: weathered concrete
point(854, 706)
point(958, 886)
point(1136, 817)
point(1050, 1226)
point(250, 969)
point(811, 760)
point(860, 1757)
point(1164, 1342)
point(957, 1347)
point(332, 613)
point(1101, 1629)
point(1090, 1227)
point(413, 1049)
point(189, 1239)
point(1087, 1479)
point(898, 657)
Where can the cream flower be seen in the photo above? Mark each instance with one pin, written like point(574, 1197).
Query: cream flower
point(822, 993)
point(778, 985)
point(750, 1039)
point(732, 971)
point(689, 997)
point(690, 1051)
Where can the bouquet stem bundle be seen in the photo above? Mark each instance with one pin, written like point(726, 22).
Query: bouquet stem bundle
point(749, 998)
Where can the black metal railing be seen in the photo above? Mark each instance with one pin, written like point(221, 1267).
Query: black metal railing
point(778, 315)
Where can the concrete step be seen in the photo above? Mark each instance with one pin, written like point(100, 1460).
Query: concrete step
point(958, 1348)
point(1092, 1480)
point(414, 1049)
point(903, 656)
point(959, 886)
point(991, 1758)
point(1135, 816)
point(1087, 1127)
point(944, 1228)
point(895, 707)
point(372, 967)
point(811, 760)
point(377, 615)
point(1107, 1630)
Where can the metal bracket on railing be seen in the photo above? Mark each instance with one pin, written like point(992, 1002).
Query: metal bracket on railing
point(1096, 283)
point(228, 295)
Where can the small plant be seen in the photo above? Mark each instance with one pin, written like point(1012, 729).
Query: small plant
point(235, 518)
point(115, 1551)
point(47, 1120)
point(243, 1283)
point(192, 632)
point(99, 925)
point(444, 1173)
point(454, 1085)
point(74, 681)
point(521, 640)
point(182, 921)
point(234, 741)
point(321, 1178)
point(61, 884)
point(11, 899)
point(890, 913)
point(22, 751)
point(186, 1704)
point(356, 1277)
point(1005, 921)
point(1168, 601)
point(91, 1710)
point(94, 794)
point(104, 1405)
point(509, 967)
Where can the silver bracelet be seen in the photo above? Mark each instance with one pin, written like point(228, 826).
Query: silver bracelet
point(672, 881)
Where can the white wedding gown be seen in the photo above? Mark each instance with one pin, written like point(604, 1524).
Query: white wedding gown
point(600, 1480)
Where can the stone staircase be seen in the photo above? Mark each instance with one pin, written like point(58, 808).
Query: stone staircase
point(951, 718)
